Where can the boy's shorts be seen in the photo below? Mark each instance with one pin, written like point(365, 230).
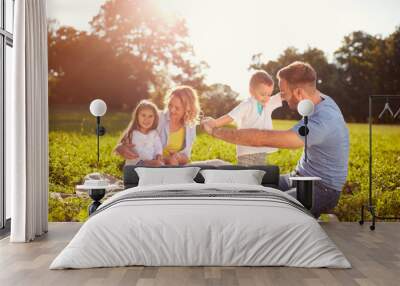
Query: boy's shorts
point(252, 159)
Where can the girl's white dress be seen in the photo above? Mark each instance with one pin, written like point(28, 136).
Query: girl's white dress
point(147, 146)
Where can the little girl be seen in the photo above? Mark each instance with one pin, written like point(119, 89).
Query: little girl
point(142, 133)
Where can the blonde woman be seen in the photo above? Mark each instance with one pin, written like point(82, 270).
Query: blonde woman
point(176, 127)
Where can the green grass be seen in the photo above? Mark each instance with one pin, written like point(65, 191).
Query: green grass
point(73, 154)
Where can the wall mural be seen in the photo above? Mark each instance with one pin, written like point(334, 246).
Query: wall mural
point(153, 92)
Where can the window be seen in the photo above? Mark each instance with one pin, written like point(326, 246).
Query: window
point(6, 43)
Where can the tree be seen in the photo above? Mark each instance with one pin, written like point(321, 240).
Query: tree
point(131, 49)
point(369, 65)
point(140, 28)
point(391, 64)
point(358, 59)
point(83, 67)
point(218, 100)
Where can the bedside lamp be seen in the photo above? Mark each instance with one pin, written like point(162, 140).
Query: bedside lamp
point(305, 185)
point(98, 108)
point(305, 109)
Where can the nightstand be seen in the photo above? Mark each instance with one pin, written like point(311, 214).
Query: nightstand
point(304, 190)
point(96, 189)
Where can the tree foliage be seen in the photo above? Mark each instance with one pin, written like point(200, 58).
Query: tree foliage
point(134, 51)
point(131, 48)
point(363, 65)
point(218, 99)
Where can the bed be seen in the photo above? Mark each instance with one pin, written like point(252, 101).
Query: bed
point(198, 224)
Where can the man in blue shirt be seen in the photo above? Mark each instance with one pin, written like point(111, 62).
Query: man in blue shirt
point(327, 140)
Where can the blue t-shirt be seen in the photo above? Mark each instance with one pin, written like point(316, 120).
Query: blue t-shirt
point(327, 145)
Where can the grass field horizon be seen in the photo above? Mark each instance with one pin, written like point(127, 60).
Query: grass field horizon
point(73, 155)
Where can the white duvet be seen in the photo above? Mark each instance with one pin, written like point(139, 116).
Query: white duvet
point(192, 231)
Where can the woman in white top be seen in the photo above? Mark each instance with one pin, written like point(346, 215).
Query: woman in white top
point(177, 126)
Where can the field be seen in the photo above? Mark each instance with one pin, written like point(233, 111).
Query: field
point(73, 154)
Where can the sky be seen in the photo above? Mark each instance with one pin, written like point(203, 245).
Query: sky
point(227, 33)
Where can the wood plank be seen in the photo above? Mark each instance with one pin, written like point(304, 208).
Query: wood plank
point(375, 257)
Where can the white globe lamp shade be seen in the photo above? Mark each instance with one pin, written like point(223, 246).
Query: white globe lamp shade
point(98, 107)
point(305, 107)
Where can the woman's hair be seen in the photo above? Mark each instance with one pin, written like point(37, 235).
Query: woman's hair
point(190, 101)
point(126, 136)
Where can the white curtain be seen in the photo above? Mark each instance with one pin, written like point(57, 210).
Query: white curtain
point(27, 123)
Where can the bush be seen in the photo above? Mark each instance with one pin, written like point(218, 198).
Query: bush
point(69, 209)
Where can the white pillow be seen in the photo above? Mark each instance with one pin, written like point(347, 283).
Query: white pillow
point(166, 176)
point(248, 177)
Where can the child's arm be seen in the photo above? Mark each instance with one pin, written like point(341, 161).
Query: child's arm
point(235, 115)
point(221, 121)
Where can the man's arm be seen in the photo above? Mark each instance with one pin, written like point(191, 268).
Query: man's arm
point(259, 138)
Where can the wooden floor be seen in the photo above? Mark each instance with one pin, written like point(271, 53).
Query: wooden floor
point(375, 256)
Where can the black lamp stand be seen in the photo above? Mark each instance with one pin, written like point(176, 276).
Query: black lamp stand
point(303, 131)
point(100, 131)
point(304, 188)
point(96, 195)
